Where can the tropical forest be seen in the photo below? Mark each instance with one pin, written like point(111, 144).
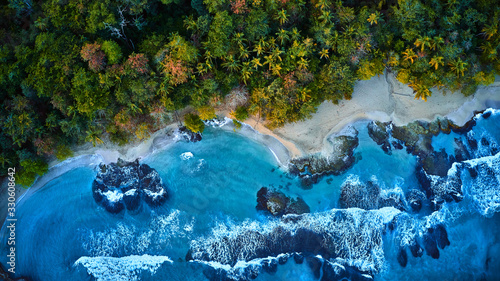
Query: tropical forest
point(80, 71)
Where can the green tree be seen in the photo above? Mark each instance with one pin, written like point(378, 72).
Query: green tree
point(194, 123)
point(112, 50)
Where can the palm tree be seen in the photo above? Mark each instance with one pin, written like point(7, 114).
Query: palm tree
point(303, 64)
point(93, 134)
point(246, 72)
point(324, 53)
point(323, 4)
point(409, 54)
point(4, 160)
point(304, 94)
point(436, 61)
point(276, 53)
point(231, 64)
point(436, 42)
point(489, 50)
point(282, 36)
point(244, 53)
point(276, 69)
point(325, 16)
point(190, 23)
point(282, 16)
point(256, 62)
point(374, 18)
point(239, 39)
point(489, 30)
point(422, 42)
point(458, 66)
point(259, 49)
point(420, 91)
point(269, 60)
point(295, 34)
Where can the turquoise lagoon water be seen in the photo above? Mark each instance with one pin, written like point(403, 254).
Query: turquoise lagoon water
point(62, 234)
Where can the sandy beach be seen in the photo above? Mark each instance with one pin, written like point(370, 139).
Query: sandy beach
point(381, 98)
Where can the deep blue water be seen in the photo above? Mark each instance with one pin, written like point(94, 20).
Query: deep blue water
point(213, 186)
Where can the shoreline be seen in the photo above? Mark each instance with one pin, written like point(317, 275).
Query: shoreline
point(381, 98)
point(384, 99)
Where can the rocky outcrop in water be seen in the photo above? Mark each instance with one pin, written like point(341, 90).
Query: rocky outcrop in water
point(186, 135)
point(126, 184)
point(342, 157)
point(277, 203)
point(380, 133)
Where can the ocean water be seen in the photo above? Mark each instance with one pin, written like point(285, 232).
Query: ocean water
point(62, 234)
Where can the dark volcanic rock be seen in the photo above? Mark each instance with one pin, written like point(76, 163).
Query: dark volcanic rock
point(441, 236)
point(430, 244)
point(298, 258)
point(415, 249)
point(379, 132)
point(437, 163)
point(416, 199)
point(123, 184)
point(423, 180)
point(461, 152)
point(270, 266)
point(278, 204)
point(342, 157)
point(189, 136)
point(315, 264)
point(338, 271)
point(402, 256)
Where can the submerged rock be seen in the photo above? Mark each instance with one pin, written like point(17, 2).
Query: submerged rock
point(402, 256)
point(430, 244)
point(278, 204)
point(123, 184)
point(441, 236)
point(415, 249)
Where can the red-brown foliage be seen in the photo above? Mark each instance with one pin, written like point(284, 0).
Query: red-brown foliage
point(175, 70)
point(238, 6)
point(138, 62)
point(94, 55)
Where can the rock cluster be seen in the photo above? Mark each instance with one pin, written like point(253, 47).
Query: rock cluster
point(311, 168)
point(277, 203)
point(125, 184)
point(186, 135)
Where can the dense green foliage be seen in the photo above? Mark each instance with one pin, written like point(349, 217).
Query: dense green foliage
point(193, 123)
point(79, 71)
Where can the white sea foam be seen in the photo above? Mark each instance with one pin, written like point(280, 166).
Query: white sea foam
point(162, 231)
point(484, 190)
point(113, 195)
point(186, 155)
point(124, 268)
point(352, 231)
